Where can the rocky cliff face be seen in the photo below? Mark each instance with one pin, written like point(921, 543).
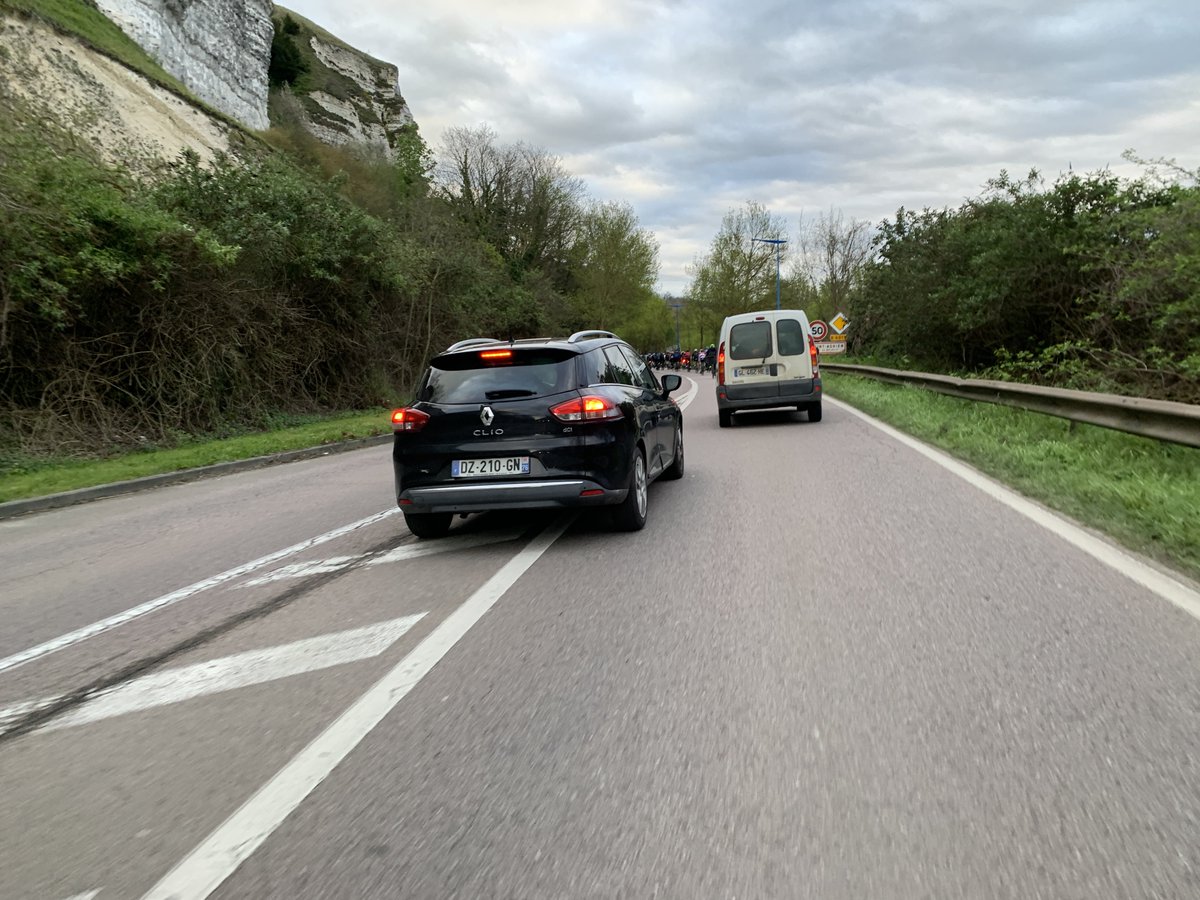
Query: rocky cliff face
point(219, 48)
point(347, 97)
point(371, 112)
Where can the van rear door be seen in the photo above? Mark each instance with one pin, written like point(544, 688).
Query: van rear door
point(793, 363)
point(749, 367)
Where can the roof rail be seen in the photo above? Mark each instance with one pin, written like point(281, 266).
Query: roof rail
point(584, 335)
point(469, 342)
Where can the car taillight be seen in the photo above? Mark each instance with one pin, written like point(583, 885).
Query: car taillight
point(493, 355)
point(721, 364)
point(813, 355)
point(408, 419)
point(589, 408)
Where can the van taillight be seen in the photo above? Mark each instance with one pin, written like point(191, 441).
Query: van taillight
point(813, 355)
point(721, 364)
point(586, 409)
point(408, 419)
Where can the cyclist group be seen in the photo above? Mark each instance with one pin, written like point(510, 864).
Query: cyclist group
point(700, 359)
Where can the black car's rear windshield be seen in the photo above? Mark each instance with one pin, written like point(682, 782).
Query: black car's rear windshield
point(498, 373)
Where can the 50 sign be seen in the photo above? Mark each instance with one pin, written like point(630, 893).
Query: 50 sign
point(818, 329)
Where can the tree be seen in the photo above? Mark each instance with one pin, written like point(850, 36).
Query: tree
point(738, 273)
point(616, 265)
point(832, 257)
point(286, 63)
point(518, 198)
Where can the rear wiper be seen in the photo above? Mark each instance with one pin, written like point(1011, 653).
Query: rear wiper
point(509, 393)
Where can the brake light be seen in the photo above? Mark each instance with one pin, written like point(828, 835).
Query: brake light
point(587, 409)
point(408, 419)
point(721, 364)
point(813, 355)
point(496, 354)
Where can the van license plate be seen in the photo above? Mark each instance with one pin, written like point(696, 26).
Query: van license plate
point(496, 465)
point(753, 370)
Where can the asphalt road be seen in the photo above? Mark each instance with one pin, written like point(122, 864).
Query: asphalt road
point(829, 667)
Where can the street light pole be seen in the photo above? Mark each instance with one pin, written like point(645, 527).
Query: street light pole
point(677, 307)
point(777, 242)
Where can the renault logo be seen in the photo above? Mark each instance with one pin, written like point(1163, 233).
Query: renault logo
point(486, 416)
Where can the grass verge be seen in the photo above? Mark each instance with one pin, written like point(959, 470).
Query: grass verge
point(1142, 492)
point(41, 477)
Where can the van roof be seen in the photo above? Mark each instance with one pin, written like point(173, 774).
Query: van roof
point(767, 314)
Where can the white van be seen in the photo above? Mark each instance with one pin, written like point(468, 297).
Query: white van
point(767, 359)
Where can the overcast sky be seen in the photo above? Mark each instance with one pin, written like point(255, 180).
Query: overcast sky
point(688, 109)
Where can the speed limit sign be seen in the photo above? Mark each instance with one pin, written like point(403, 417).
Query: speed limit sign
point(818, 329)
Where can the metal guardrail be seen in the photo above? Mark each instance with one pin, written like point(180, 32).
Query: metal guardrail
point(1164, 420)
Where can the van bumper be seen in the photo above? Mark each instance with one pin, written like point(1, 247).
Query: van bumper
point(733, 397)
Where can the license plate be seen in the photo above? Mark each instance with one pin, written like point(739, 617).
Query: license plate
point(496, 465)
point(753, 370)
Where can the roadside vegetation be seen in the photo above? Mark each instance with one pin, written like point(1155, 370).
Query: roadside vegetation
point(1091, 282)
point(40, 475)
point(1145, 493)
point(204, 298)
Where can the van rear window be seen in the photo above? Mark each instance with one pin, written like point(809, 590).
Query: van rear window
point(471, 378)
point(791, 338)
point(750, 340)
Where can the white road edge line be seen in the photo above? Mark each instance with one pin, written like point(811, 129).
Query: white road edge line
point(113, 621)
point(1127, 564)
point(204, 869)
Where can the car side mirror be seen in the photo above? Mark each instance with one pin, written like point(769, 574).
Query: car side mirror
point(671, 383)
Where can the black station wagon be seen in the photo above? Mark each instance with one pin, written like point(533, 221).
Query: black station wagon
point(580, 421)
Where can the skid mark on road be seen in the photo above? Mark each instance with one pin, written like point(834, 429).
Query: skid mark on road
point(136, 612)
point(400, 554)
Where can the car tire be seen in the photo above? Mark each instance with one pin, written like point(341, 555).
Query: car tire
point(814, 412)
point(675, 469)
point(428, 525)
point(631, 514)
point(724, 418)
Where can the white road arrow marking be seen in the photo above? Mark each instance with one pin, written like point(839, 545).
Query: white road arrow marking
point(229, 673)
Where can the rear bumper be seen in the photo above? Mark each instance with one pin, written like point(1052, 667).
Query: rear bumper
point(514, 494)
point(731, 398)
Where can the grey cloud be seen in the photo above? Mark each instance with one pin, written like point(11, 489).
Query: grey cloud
point(864, 105)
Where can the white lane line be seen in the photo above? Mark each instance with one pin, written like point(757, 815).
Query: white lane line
point(215, 676)
point(90, 631)
point(86, 895)
point(685, 401)
point(206, 867)
point(404, 552)
point(1131, 567)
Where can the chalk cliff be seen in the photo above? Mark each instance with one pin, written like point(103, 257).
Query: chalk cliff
point(220, 49)
point(347, 96)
